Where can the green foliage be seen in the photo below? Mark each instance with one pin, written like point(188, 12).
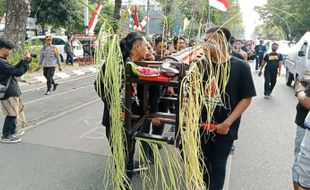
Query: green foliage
point(2, 8)
point(58, 13)
point(289, 16)
point(269, 32)
point(198, 13)
point(28, 46)
point(71, 11)
point(232, 19)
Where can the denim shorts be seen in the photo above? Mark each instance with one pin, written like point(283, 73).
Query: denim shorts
point(303, 162)
point(300, 132)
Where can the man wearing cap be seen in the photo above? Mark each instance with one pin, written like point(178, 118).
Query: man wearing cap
point(235, 99)
point(49, 58)
point(11, 103)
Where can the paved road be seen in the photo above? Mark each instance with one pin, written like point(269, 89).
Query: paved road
point(264, 151)
point(66, 149)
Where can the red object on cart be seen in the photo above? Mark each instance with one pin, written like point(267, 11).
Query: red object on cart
point(156, 78)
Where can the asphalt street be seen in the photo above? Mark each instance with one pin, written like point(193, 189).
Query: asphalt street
point(66, 148)
point(264, 151)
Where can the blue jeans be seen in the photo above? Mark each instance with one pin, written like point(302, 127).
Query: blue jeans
point(300, 133)
point(70, 58)
point(9, 126)
point(216, 151)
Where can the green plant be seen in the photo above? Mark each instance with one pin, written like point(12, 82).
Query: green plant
point(32, 47)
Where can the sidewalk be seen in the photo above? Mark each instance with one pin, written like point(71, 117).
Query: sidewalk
point(67, 72)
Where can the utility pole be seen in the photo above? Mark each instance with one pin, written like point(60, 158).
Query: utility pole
point(148, 15)
point(86, 17)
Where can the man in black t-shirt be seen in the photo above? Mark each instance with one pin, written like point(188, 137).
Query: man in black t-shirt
point(273, 62)
point(260, 50)
point(227, 116)
point(300, 130)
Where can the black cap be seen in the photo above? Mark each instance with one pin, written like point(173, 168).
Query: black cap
point(6, 44)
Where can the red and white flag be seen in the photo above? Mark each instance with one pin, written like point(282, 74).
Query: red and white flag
point(135, 17)
point(222, 5)
point(94, 19)
point(130, 10)
point(142, 24)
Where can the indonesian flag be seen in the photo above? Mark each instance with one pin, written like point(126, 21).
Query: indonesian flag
point(142, 24)
point(129, 10)
point(94, 19)
point(136, 18)
point(222, 5)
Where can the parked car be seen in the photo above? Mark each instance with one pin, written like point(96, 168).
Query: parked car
point(59, 42)
point(297, 63)
point(89, 44)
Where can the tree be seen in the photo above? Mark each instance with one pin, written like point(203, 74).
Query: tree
point(289, 16)
point(2, 8)
point(199, 13)
point(169, 8)
point(57, 13)
point(15, 20)
point(117, 14)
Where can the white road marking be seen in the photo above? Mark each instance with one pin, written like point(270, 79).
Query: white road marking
point(58, 94)
point(94, 134)
point(89, 132)
point(61, 114)
point(67, 81)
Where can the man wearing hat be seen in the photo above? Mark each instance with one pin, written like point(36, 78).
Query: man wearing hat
point(11, 103)
point(49, 58)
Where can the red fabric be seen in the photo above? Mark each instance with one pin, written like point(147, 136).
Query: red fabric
point(93, 21)
point(135, 17)
point(225, 3)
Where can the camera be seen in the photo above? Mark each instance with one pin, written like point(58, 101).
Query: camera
point(33, 55)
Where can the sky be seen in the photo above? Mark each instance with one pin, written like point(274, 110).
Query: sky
point(250, 17)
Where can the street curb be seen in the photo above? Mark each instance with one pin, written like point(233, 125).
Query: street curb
point(37, 78)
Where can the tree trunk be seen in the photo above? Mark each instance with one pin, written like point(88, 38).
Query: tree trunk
point(117, 14)
point(15, 20)
point(169, 17)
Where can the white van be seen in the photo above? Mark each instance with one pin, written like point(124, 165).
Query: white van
point(297, 63)
point(59, 42)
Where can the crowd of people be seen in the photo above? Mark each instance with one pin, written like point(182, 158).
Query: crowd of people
point(239, 92)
